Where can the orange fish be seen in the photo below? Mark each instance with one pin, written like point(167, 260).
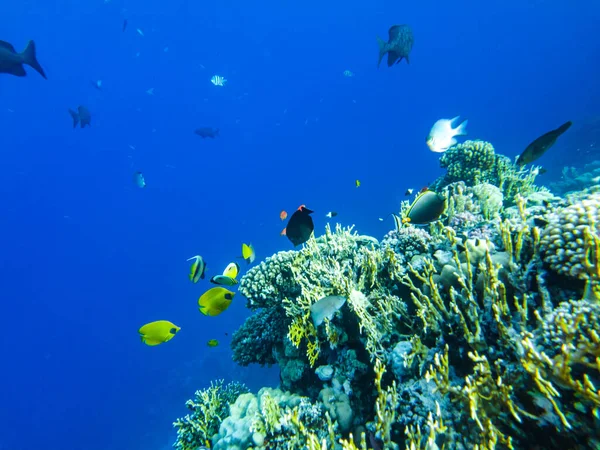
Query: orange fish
point(283, 215)
point(283, 232)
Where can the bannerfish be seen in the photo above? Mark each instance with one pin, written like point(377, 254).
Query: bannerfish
point(12, 62)
point(207, 132)
point(158, 332)
point(139, 180)
point(538, 147)
point(82, 116)
point(442, 134)
point(300, 226)
point(214, 301)
point(427, 208)
point(398, 46)
point(197, 269)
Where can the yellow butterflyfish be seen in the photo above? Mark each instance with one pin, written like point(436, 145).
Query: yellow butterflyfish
point(248, 253)
point(232, 270)
point(214, 301)
point(158, 332)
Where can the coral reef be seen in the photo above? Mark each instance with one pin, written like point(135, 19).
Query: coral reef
point(480, 331)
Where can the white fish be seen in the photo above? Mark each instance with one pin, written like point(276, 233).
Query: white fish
point(140, 32)
point(326, 308)
point(218, 80)
point(442, 134)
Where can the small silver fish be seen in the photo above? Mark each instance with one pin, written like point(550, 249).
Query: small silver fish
point(442, 134)
point(218, 80)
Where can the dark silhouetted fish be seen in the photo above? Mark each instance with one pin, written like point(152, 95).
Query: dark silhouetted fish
point(398, 46)
point(124, 25)
point(300, 226)
point(12, 62)
point(538, 147)
point(205, 132)
point(82, 117)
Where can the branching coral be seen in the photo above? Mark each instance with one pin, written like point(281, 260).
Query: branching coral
point(209, 407)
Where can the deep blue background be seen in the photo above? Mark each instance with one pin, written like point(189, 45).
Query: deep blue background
point(86, 257)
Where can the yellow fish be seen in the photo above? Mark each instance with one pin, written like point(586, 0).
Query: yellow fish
point(155, 333)
point(212, 343)
point(248, 253)
point(214, 301)
point(357, 183)
point(198, 268)
point(232, 270)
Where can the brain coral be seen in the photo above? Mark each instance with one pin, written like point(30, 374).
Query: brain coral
point(562, 244)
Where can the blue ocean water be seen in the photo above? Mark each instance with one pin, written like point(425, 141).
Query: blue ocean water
point(87, 257)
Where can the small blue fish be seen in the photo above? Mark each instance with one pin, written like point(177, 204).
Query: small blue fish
point(218, 80)
point(138, 179)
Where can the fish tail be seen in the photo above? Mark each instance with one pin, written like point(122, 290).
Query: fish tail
point(461, 130)
point(75, 117)
point(30, 58)
point(382, 49)
point(564, 127)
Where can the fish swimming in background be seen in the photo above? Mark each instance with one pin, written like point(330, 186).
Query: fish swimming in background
point(140, 32)
point(150, 91)
point(442, 134)
point(207, 132)
point(124, 25)
point(212, 343)
point(248, 253)
point(12, 62)
point(97, 84)
point(348, 74)
point(331, 214)
point(538, 147)
point(197, 269)
point(218, 80)
point(82, 116)
point(300, 226)
point(214, 301)
point(139, 180)
point(409, 192)
point(357, 183)
point(398, 46)
point(283, 215)
point(158, 332)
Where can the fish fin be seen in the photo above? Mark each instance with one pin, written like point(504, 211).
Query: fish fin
point(75, 117)
point(453, 142)
point(194, 257)
point(7, 46)
point(392, 58)
point(17, 70)
point(407, 60)
point(564, 127)
point(382, 49)
point(461, 130)
point(29, 58)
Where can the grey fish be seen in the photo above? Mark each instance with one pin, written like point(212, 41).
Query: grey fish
point(12, 62)
point(82, 116)
point(538, 147)
point(398, 46)
point(205, 132)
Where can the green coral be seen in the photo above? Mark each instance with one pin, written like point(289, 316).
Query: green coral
point(208, 408)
